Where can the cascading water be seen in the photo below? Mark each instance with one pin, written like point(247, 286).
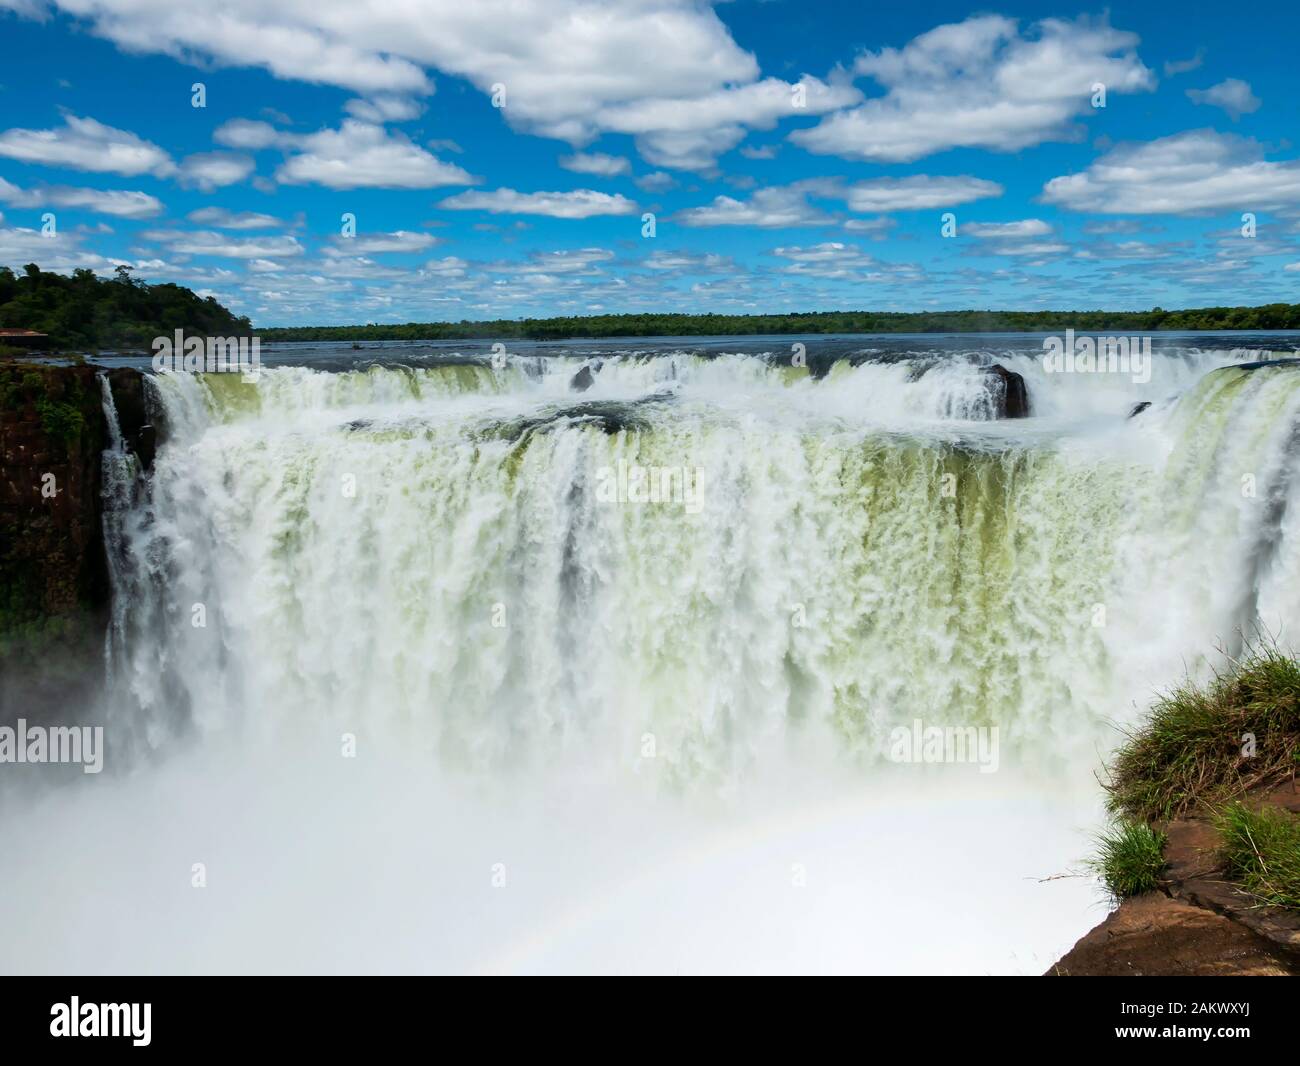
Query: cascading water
point(700, 577)
point(429, 551)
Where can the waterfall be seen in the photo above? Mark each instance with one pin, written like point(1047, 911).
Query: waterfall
point(425, 553)
point(119, 475)
point(449, 666)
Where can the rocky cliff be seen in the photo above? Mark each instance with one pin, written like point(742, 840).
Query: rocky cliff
point(54, 592)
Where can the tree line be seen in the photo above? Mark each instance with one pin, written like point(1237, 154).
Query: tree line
point(83, 311)
point(1268, 317)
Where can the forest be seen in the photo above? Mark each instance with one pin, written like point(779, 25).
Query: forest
point(84, 312)
point(1268, 317)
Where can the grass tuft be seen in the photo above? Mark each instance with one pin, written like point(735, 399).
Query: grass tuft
point(1130, 856)
point(1196, 747)
point(1261, 851)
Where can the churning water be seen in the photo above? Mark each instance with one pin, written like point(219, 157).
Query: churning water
point(422, 662)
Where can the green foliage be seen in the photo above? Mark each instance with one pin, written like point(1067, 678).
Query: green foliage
point(1270, 317)
point(1191, 749)
point(1130, 856)
point(1261, 850)
point(83, 311)
point(61, 421)
point(18, 385)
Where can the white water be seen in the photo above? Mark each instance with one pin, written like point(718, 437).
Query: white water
point(676, 717)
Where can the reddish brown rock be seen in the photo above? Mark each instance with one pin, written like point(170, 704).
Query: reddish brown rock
point(1155, 936)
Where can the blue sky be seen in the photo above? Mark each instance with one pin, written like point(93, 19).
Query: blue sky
point(795, 156)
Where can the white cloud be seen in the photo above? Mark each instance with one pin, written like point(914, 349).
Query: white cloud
point(1195, 172)
point(1175, 67)
point(376, 243)
point(981, 83)
point(691, 134)
point(1039, 250)
point(920, 192)
point(208, 170)
point(384, 108)
point(831, 259)
point(658, 181)
point(687, 263)
point(59, 253)
point(1027, 227)
point(221, 218)
point(876, 228)
point(666, 71)
point(788, 205)
point(839, 261)
point(361, 266)
point(598, 163)
point(208, 242)
point(246, 133)
point(328, 41)
point(360, 155)
point(1112, 226)
point(1026, 238)
point(582, 261)
point(581, 203)
point(1126, 250)
point(447, 267)
point(85, 144)
point(770, 208)
point(115, 202)
point(1232, 95)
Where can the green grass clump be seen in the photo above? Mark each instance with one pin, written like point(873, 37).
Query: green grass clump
point(1261, 851)
point(1192, 749)
point(1130, 856)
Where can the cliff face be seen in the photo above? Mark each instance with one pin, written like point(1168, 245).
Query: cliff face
point(54, 590)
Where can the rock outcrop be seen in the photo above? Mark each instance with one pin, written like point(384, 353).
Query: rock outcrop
point(584, 378)
point(1199, 923)
point(132, 413)
point(1010, 396)
point(1154, 936)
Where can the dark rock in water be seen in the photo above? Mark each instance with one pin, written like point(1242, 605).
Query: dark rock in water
point(609, 418)
point(127, 387)
point(583, 379)
point(1291, 363)
point(1139, 408)
point(138, 433)
point(146, 446)
point(1010, 397)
